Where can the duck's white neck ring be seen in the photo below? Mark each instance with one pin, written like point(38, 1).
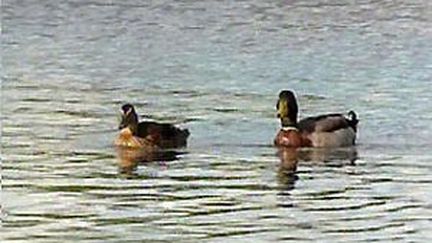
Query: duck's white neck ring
point(290, 128)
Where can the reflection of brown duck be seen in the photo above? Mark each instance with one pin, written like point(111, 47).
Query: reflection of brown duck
point(147, 134)
point(330, 130)
point(129, 158)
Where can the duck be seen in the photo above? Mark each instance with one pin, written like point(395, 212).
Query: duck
point(148, 135)
point(328, 130)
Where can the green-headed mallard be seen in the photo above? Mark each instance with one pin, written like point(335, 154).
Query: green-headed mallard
point(329, 130)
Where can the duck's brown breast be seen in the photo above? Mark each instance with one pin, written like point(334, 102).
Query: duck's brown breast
point(127, 139)
point(290, 138)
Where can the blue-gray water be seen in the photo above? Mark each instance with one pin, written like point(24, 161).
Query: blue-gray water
point(215, 67)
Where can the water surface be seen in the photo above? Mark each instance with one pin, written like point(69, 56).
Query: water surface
point(215, 68)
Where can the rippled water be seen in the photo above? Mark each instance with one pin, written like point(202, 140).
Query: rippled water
point(215, 68)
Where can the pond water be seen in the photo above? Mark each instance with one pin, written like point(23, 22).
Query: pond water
point(215, 67)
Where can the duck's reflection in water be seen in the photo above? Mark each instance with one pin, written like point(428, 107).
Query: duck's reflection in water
point(290, 158)
point(130, 158)
point(286, 174)
point(330, 155)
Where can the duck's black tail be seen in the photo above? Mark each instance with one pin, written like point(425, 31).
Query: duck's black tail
point(352, 120)
point(181, 137)
point(185, 132)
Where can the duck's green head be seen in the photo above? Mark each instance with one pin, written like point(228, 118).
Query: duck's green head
point(287, 108)
point(129, 117)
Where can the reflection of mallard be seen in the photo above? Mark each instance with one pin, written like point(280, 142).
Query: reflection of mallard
point(330, 130)
point(288, 166)
point(348, 154)
point(149, 135)
point(290, 157)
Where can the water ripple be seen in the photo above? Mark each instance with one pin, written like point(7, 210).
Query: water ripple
point(215, 69)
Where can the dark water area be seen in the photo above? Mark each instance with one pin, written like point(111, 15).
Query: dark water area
point(215, 68)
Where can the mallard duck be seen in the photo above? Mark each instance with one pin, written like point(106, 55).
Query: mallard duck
point(148, 134)
point(329, 130)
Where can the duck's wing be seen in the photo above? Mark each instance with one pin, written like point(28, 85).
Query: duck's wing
point(163, 135)
point(161, 130)
point(324, 123)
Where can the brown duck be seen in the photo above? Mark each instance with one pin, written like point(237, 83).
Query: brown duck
point(148, 134)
